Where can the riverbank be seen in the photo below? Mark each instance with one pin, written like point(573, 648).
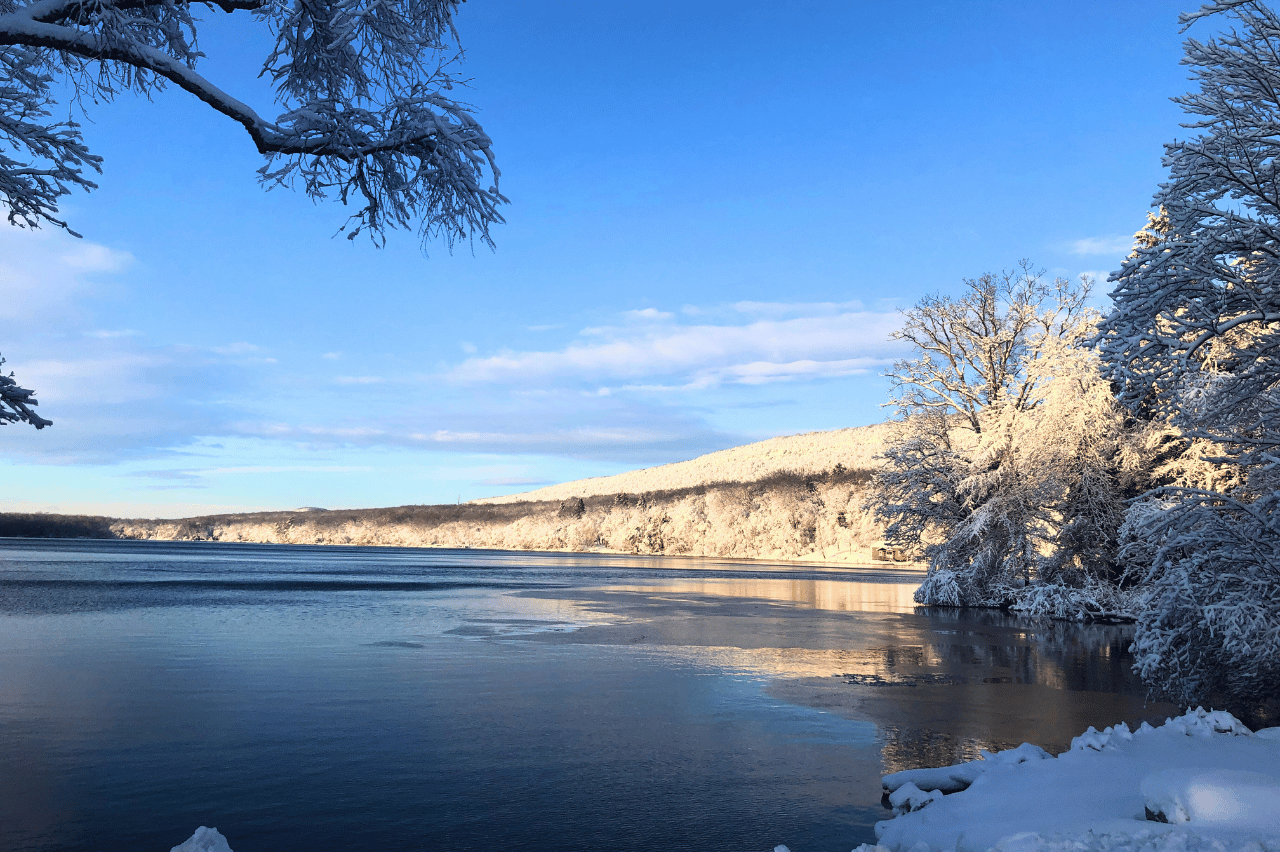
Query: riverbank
point(1201, 781)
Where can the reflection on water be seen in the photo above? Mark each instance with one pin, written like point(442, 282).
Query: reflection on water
point(326, 697)
point(836, 595)
point(940, 684)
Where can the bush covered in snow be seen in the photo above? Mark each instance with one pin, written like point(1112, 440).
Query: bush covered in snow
point(1011, 459)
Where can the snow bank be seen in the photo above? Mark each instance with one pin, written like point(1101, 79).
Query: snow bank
point(1230, 797)
point(953, 779)
point(1199, 783)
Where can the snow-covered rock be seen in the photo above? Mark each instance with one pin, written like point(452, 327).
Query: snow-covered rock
point(204, 840)
point(945, 779)
point(909, 797)
point(1216, 783)
point(953, 779)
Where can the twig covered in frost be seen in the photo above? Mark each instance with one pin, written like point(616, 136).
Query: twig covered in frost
point(16, 403)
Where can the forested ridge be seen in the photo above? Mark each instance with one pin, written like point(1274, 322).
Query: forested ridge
point(786, 515)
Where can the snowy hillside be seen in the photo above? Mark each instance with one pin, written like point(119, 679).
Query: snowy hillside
point(802, 497)
point(807, 454)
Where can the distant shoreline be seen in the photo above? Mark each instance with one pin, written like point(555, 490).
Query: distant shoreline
point(912, 568)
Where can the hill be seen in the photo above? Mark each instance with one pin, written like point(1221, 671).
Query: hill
point(809, 454)
point(800, 498)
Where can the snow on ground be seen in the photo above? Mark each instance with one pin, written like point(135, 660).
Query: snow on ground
point(1199, 783)
point(813, 452)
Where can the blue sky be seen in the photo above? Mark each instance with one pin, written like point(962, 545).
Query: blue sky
point(716, 211)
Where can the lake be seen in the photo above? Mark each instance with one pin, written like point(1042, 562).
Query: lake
point(342, 698)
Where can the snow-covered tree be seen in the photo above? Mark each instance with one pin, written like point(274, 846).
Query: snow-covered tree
point(1195, 339)
point(16, 403)
point(1008, 469)
point(363, 86)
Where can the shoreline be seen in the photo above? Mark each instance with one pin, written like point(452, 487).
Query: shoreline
point(906, 568)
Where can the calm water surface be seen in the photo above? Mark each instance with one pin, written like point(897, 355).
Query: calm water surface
point(331, 698)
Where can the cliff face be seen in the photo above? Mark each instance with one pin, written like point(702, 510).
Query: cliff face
point(787, 516)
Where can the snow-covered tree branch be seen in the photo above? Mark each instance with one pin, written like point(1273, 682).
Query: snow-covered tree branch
point(1195, 339)
point(16, 403)
point(364, 87)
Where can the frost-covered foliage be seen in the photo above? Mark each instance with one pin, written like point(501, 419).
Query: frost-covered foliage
point(789, 517)
point(1195, 339)
point(1011, 459)
point(1211, 624)
point(363, 86)
point(1090, 600)
point(16, 403)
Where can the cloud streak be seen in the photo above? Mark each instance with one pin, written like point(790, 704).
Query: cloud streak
point(1115, 245)
point(754, 351)
point(112, 393)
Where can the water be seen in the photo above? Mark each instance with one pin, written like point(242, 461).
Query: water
point(316, 698)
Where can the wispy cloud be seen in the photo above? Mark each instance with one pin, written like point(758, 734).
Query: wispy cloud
point(1114, 245)
point(759, 372)
point(781, 309)
point(111, 334)
point(454, 438)
point(828, 342)
point(647, 315)
point(45, 273)
point(286, 468)
point(1098, 276)
point(180, 475)
point(561, 423)
point(112, 393)
point(502, 482)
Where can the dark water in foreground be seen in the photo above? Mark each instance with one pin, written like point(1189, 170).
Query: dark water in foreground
point(330, 698)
